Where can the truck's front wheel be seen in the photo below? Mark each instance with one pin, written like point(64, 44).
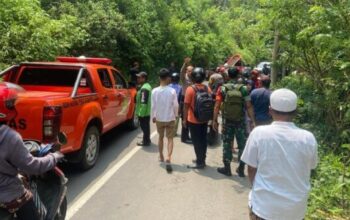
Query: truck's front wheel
point(90, 148)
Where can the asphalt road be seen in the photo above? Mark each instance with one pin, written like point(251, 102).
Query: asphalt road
point(128, 182)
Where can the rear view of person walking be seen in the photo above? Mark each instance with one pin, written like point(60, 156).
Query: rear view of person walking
point(234, 98)
point(261, 102)
point(143, 107)
point(198, 110)
point(165, 109)
point(280, 158)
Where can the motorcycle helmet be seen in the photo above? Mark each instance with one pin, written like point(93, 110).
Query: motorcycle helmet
point(175, 77)
point(198, 75)
point(8, 97)
point(233, 72)
point(246, 72)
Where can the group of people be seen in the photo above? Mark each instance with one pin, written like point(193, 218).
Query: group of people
point(243, 100)
point(279, 155)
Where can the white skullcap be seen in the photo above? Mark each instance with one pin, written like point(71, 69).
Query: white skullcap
point(283, 100)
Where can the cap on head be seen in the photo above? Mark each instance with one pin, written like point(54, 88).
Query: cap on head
point(283, 100)
point(246, 72)
point(142, 74)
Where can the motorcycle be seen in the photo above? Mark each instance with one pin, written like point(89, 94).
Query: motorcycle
point(49, 189)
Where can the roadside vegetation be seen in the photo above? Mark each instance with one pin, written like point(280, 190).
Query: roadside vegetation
point(307, 40)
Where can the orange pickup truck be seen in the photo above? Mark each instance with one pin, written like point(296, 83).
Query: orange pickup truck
point(83, 97)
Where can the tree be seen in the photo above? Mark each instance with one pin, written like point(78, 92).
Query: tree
point(28, 33)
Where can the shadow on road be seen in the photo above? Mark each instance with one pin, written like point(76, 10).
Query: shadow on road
point(177, 168)
point(113, 144)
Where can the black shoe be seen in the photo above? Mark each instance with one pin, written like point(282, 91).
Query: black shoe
point(186, 141)
point(143, 143)
point(197, 166)
point(240, 172)
point(195, 162)
point(168, 168)
point(226, 170)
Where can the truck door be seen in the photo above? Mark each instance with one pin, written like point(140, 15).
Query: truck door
point(108, 99)
point(123, 96)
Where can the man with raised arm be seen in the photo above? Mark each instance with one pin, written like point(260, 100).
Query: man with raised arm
point(185, 79)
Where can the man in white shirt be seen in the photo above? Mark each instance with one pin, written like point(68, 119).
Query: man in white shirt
point(280, 158)
point(164, 112)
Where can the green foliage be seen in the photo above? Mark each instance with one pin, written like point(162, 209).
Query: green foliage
point(314, 43)
point(330, 196)
point(28, 33)
point(154, 33)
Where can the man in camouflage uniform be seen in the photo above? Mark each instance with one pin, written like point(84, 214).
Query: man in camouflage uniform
point(233, 127)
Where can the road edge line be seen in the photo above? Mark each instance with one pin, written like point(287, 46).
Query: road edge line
point(86, 196)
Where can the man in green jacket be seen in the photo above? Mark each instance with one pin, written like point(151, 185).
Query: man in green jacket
point(143, 107)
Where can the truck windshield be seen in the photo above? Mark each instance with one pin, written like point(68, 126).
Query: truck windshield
point(48, 76)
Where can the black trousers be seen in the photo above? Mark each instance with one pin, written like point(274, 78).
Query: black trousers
point(146, 128)
point(185, 132)
point(28, 211)
point(199, 140)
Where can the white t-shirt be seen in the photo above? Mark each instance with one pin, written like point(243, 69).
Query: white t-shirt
point(284, 156)
point(165, 105)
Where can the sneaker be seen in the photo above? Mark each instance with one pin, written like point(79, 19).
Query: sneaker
point(186, 141)
point(168, 168)
point(197, 166)
point(143, 143)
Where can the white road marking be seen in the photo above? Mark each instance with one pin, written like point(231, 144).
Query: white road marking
point(86, 196)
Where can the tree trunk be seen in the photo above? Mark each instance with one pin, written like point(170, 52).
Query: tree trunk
point(283, 71)
point(276, 44)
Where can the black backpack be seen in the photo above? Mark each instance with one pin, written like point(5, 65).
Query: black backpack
point(203, 104)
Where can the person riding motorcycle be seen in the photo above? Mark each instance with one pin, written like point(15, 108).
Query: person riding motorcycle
point(15, 158)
